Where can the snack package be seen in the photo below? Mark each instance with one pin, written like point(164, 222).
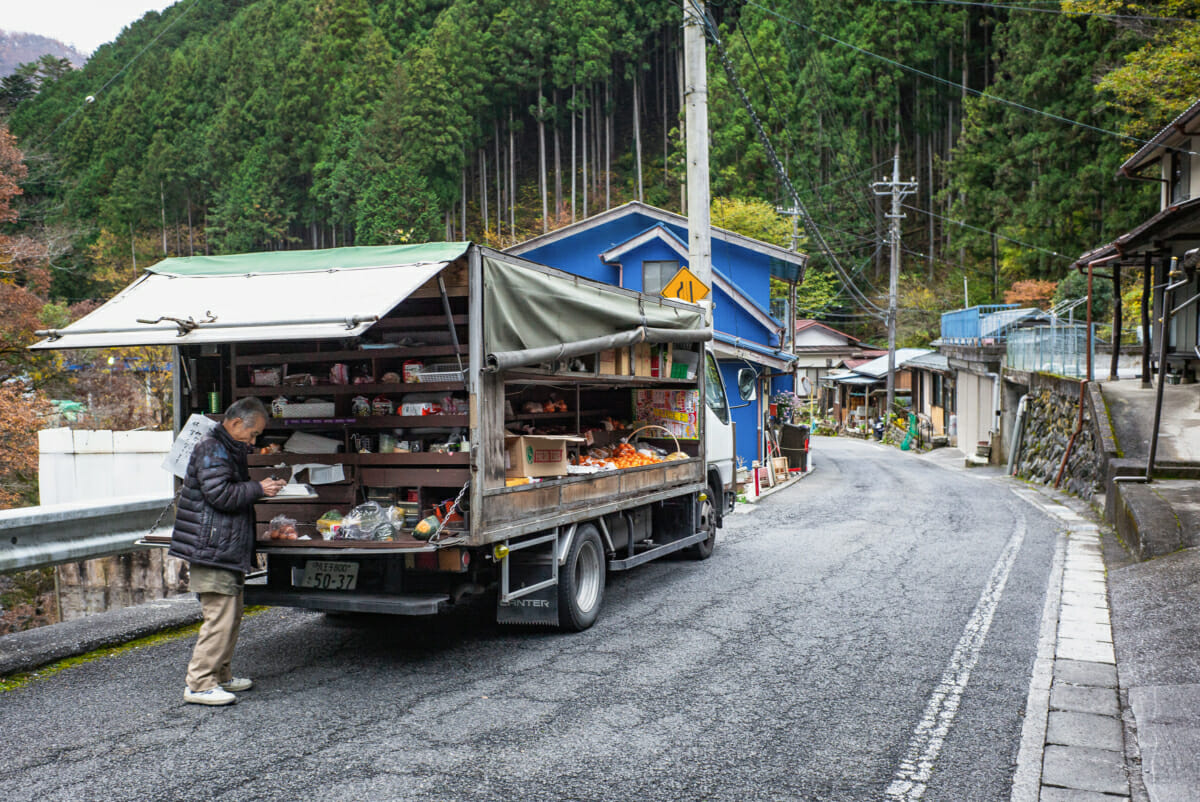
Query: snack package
point(282, 528)
point(329, 524)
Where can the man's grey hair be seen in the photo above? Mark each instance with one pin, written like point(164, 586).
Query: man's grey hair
point(248, 410)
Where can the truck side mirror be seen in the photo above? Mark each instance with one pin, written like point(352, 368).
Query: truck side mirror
point(747, 380)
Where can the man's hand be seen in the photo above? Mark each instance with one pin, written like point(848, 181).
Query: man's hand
point(272, 486)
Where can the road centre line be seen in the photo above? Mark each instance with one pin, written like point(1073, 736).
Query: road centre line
point(911, 778)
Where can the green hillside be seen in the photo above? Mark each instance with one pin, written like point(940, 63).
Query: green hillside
point(236, 125)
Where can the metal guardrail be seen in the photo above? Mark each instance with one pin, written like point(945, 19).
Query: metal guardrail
point(36, 537)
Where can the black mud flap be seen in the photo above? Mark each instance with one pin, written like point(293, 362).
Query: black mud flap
point(539, 607)
point(527, 567)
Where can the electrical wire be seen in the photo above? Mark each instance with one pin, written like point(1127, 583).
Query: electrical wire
point(810, 225)
point(963, 88)
point(87, 102)
point(1060, 10)
point(990, 233)
point(856, 198)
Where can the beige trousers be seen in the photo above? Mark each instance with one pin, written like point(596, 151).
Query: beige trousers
point(209, 666)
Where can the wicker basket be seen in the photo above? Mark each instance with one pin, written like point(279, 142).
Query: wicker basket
point(636, 431)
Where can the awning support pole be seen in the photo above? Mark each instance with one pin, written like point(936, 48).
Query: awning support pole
point(450, 320)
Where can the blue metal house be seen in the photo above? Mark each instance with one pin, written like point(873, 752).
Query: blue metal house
point(641, 247)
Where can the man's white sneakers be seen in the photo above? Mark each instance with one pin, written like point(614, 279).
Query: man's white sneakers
point(213, 696)
point(238, 684)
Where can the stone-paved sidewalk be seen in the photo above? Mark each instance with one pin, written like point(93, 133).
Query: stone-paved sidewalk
point(1073, 745)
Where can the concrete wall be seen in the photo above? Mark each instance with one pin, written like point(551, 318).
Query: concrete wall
point(79, 465)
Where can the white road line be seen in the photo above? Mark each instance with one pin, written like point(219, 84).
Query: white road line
point(912, 776)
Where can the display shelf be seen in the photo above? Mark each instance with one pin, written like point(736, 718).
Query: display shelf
point(369, 422)
point(354, 355)
point(527, 376)
point(350, 389)
point(545, 415)
point(399, 459)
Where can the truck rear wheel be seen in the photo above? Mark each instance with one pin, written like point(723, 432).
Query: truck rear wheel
point(707, 519)
point(581, 581)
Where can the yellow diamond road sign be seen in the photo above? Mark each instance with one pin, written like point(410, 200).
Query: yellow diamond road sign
point(686, 287)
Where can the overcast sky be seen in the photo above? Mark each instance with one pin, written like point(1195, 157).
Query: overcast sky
point(83, 24)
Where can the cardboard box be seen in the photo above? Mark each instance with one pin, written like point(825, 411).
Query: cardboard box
point(614, 362)
point(537, 455)
point(607, 362)
point(641, 359)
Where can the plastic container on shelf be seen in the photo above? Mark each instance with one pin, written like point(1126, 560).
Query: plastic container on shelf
point(441, 372)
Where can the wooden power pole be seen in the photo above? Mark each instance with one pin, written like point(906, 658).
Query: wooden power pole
point(696, 124)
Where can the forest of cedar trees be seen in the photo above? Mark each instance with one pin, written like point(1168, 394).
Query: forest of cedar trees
point(221, 126)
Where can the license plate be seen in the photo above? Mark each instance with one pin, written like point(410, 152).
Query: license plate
point(327, 575)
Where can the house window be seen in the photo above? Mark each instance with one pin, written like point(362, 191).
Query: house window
point(655, 275)
point(1181, 170)
point(938, 391)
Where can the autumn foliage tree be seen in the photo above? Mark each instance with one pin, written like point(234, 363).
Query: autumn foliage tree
point(1031, 292)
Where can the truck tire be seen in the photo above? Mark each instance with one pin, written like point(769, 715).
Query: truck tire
point(708, 521)
point(581, 581)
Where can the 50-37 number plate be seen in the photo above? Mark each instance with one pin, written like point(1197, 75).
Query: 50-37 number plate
point(327, 575)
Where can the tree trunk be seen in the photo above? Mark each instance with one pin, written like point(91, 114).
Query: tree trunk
point(583, 146)
point(162, 206)
point(662, 97)
point(682, 133)
point(499, 180)
point(191, 246)
point(637, 135)
point(574, 95)
point(557, 161)
point(930, 189)
point(608, 134)
point(542, 178)
point(512, 179)
point(483, 193)
point(597, 137)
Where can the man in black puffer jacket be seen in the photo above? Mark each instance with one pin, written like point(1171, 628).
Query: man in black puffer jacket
point(214, 532)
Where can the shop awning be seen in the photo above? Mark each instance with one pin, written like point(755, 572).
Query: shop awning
point(281, 295)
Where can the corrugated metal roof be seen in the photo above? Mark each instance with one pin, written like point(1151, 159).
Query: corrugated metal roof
point(997, 323)
point(878, 367)
point(1136, 161)
point(930, 361)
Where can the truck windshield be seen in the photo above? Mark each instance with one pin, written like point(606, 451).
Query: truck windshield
point(714, 389)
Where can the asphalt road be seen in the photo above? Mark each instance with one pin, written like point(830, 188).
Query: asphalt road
point(881, 614)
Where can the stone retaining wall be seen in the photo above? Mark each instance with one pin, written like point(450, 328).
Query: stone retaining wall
point(1051, 417)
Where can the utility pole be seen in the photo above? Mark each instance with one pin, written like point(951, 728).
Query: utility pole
point(695, 96)
point(899, 190)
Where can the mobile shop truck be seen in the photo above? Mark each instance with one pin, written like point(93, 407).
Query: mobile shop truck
point(423, 375)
